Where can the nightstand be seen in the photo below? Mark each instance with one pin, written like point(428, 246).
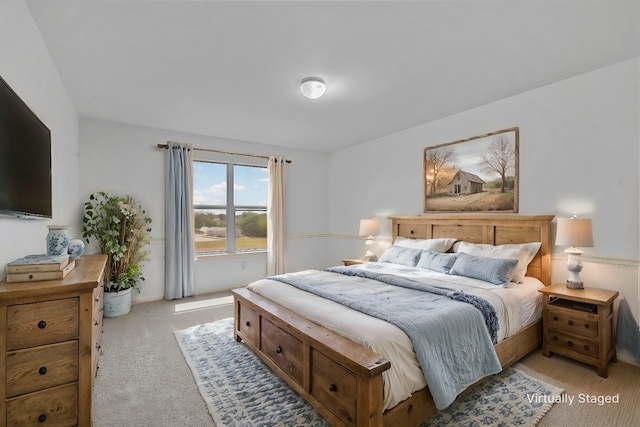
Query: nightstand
point(352, 261)
point(578, 323)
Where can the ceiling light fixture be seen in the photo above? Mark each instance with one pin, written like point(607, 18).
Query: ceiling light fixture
point(312, 87)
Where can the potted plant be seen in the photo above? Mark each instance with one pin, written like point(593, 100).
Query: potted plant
point(121, 228)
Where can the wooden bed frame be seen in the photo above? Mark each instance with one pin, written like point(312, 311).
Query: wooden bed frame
point(342, 379)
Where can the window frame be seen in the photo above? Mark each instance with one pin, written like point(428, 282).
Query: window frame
point(230, 210)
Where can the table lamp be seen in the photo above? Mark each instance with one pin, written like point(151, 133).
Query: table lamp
point(369, 228)
point(574, 232)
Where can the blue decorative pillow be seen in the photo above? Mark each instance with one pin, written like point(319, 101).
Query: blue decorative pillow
point(400, 255)
point(493, 270)
point(435, 261)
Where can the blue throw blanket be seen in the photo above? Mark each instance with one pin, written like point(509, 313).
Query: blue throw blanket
point(448, 328)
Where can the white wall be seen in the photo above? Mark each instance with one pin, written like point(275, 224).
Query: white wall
point(124, 159)
point(29, 70)
point(579, 154)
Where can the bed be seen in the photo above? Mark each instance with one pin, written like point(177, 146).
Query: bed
point(343, 378)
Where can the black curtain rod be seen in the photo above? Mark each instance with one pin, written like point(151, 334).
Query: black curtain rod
point(224, 152)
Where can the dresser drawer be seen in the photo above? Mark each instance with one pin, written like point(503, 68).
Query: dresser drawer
point(56, 406)
point(249, 323)
point(41, 367)
point(283, 348)
point(334, 386)
point(572, 323)
point(40, 323)
point(561, 341)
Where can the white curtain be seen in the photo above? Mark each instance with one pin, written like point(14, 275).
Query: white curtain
point(179, 251)
point(275, 216)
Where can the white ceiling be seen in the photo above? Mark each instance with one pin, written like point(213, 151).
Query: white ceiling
point(232, 69)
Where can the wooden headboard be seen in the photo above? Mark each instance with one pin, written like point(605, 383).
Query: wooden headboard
point(494, 229)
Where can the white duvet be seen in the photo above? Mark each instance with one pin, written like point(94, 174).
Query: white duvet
point(516, 306)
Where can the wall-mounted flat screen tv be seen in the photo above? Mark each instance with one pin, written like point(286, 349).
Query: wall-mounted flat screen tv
point(25, 159)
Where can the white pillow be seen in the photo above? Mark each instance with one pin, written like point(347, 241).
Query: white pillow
point(523, 252)
point(433, 245)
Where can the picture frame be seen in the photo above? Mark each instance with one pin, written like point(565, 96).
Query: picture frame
point(477, 174)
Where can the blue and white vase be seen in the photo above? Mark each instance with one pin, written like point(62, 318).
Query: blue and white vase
point(76, 248)
point(57, 239)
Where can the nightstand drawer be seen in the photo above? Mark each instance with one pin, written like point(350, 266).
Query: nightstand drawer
point(573, 323)
point(560, 341)
point(41, 367)
point(30, 325)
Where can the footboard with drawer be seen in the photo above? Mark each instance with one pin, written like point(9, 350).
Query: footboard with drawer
point(341, 379)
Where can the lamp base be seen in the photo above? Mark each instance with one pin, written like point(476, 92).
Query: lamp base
point(575, 285)
point(370, 257)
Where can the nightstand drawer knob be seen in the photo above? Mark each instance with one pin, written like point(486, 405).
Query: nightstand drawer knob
point(279, 349)
point(332, 387)
point(586, 325)
point(570, 344)
point(42, 418)
point(570, 322)
point(586, 347)
point(42, 324)
point(42, 370)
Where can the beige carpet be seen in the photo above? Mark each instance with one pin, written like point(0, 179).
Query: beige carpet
point(144, 380)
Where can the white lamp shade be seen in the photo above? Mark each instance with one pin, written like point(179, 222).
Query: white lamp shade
point(369, 227)
point(574, 232)
point(312, 87)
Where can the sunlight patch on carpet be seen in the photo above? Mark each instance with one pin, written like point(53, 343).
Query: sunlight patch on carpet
point(240, 390)
point(208, 303)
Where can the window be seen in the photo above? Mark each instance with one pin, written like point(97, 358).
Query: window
point(230, 207)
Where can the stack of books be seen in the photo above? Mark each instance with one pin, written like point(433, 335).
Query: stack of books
point(33, 268)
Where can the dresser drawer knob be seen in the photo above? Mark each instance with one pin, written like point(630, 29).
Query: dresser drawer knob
point(570, 322)
point(42, 418)
point(570, 343)
point(586, 347)
point(586, 326)
point(332, 387)
point(42, 324)
point(555, 317)
point(555, 338)
point(279, 349)
point(248, 323)
point(42, 370)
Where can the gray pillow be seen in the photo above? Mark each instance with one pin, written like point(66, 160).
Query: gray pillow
point(492, 270)
point(435, 261)
point(400, 255)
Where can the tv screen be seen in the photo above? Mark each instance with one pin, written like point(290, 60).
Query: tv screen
point(25, 159)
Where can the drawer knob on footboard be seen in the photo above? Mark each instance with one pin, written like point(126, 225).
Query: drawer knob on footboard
point(42, 324)
point(332, 387)
point(279, 349)
point(42, 370)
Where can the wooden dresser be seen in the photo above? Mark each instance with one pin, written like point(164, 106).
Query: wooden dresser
point(578, 323)
point(51, 336)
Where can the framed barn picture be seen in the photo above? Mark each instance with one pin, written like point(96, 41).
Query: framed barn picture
point(478, 174)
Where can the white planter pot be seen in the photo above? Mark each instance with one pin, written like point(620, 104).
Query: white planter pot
point(117, 303)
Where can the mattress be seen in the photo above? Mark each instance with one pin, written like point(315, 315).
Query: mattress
point(516, 305)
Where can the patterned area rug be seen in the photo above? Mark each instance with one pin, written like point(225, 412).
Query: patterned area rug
point(241, 391)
